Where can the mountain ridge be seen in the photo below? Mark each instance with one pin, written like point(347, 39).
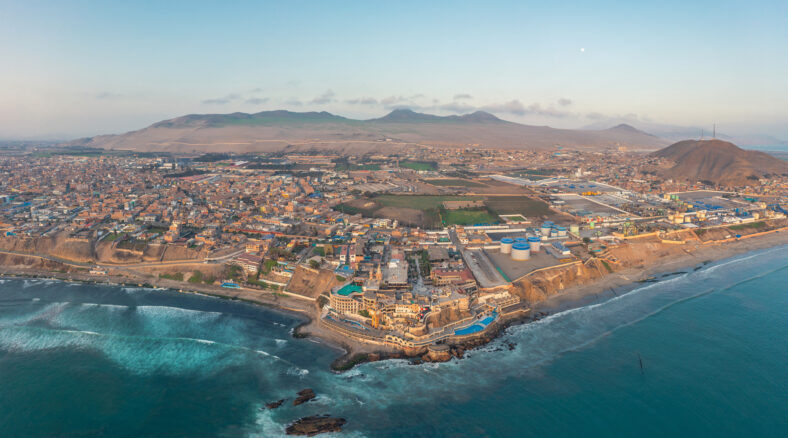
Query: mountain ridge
point(282, 129)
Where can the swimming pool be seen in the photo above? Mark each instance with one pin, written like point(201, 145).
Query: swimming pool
point(477, 327)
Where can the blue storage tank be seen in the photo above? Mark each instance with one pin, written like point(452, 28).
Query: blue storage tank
point(506, 245)
point(521, 251)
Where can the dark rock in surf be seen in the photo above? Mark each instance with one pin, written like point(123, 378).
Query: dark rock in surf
point(304, 396)
point(274, 405)
point(315, 424)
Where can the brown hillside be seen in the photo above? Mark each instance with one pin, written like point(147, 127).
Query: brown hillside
point(719, 162)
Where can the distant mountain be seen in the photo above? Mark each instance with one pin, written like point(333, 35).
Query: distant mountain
point(261, 118)
point(410, 116)
point(278, 130)
point(718, 161)
point(674, 133)
point(628, 129)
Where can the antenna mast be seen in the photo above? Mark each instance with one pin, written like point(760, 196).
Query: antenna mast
point(715, 131)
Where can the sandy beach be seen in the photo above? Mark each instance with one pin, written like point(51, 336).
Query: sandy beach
point(697, 254)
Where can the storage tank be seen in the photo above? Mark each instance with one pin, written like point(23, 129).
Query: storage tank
point(545, 230)
point(561, 231)
point(521, 251)
point(506, 245)
point(535, 242)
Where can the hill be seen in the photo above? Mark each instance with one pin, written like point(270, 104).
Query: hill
point(279, 130)
point(718, 161)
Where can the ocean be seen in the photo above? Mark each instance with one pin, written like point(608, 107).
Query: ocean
point(699, 353)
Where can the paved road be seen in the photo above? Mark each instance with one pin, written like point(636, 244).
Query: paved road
point(127, 265)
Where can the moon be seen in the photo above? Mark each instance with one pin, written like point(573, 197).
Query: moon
point(582, 49)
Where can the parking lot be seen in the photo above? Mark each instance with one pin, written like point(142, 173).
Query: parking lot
point(482, 268)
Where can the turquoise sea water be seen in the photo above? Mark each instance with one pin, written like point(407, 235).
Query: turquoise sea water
point(83, 360)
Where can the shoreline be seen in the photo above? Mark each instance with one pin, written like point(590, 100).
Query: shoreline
point(354, 352)
point(609, 285)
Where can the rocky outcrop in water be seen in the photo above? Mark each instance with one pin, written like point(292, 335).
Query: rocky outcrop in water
point(274, 405)
point(315, 424)
point(304, 396)
point(437, 353)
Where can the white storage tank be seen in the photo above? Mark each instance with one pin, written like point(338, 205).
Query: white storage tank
point(561, 231)
point(521, 251)
point(545, 230)
point(506, 245)
point(536, 243)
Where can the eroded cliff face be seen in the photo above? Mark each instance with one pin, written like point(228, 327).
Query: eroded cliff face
point(541, 285)
point(32, 263)
point(83, 250)
point(61, 246)
point(650, 251)
point(169, 253)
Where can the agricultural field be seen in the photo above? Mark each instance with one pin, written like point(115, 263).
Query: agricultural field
point(352, 167)
point(418, 202)
point(453, 182)
point(468, 217)
point(523, 205)
point(419, 165)
point(427, 210)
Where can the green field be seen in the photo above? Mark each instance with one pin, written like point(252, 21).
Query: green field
point(419, 165)
point(434, 215)
point(453, 182)
point(349, 209)
point(755, 225)
point(418, 202)
point(468, 217)
point(517, 205)
point(351, 167)
point(429, 205)
point(515, 217)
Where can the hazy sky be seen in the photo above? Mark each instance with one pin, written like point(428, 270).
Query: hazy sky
point(76, 68)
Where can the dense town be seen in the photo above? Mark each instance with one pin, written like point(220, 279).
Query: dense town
point(411, 250)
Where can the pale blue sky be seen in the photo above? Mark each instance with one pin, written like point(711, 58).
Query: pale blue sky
point(74, 68)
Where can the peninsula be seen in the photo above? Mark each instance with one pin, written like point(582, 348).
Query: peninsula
point(418, 252)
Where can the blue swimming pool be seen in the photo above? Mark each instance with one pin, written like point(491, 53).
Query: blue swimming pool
point(469, 330)
point(477, 327)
